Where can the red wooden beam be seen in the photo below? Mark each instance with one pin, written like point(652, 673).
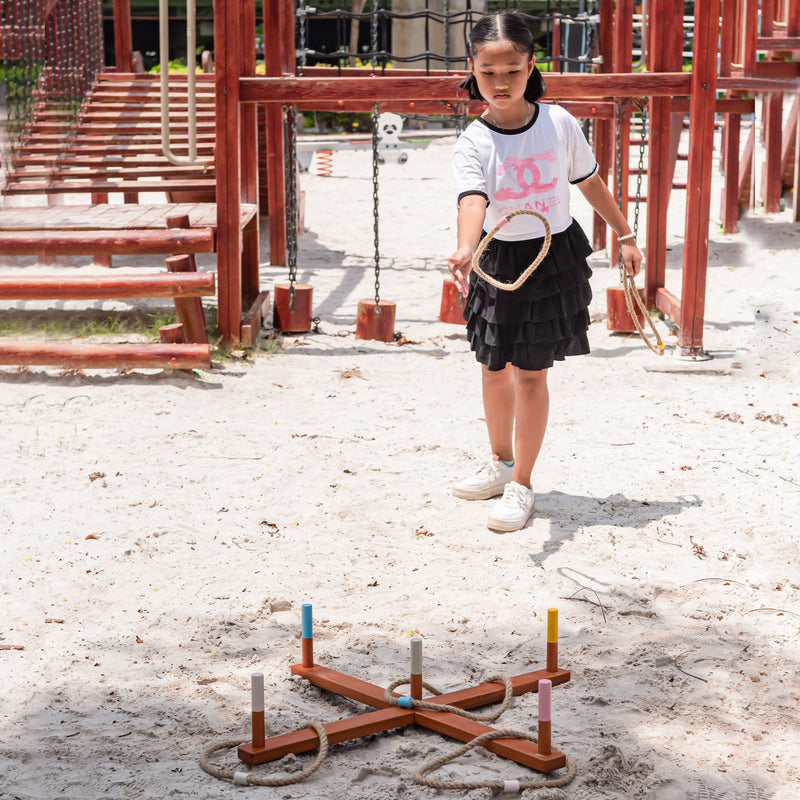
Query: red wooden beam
point(139, 242)
point(39, 287)
point(374, 87)
point(104, 356)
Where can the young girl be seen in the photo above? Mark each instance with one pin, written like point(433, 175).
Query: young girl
point(521, 154)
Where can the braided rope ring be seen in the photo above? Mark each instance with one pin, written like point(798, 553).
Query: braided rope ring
point(510, 287)
point(421, 775)
point(633, 301)
point(489, 716)
point(251, 779)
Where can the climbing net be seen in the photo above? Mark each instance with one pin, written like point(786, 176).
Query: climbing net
point(49, 55)
point(572, 49)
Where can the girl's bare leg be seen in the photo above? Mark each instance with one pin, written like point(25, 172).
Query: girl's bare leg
point(499, 397)
point(532, 406)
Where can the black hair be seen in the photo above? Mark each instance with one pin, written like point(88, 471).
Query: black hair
point(506, 26)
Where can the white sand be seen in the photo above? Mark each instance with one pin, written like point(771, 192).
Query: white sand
point(176, 524)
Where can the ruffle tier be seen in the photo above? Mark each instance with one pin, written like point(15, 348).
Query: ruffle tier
point(543, 321)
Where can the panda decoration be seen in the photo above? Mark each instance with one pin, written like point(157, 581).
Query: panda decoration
point(390, 146)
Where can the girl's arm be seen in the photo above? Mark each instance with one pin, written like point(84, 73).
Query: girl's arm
point(594, 189)
point(471, 214)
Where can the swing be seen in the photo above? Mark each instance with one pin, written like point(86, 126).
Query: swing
point(375, 318)
point(292, 309)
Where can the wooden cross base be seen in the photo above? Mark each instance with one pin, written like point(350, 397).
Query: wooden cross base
point(387, 716)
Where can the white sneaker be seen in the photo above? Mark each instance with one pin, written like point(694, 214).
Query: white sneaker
point(513, 509)
point(487, 482)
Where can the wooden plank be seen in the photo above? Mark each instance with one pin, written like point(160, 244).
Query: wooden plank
point(254, 319)
point(104, 356)
point(522, 751)
point(340, 731)
point(72, 287)
point(123, 242)
point(91, 187)
point(669, 305)
point(566, 86)
point(471, 697)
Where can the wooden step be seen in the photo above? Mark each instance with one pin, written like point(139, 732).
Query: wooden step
point(111, 287)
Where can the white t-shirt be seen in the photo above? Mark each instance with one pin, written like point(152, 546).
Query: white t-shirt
point(530, 167)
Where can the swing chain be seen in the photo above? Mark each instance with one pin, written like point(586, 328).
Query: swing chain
point(290, 184)
point(642, 107)
point(375, 207)
point(373, 33)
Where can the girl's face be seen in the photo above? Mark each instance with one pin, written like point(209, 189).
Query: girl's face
point(501, 73)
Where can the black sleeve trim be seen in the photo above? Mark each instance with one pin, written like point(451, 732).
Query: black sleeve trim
point(586, 177)
point(474, 191)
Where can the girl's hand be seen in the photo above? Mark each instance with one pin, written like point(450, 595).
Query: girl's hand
point(460, 264)
point(631, 258)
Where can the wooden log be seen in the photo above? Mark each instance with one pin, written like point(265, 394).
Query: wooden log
point(174, 333)
point(104, 356)
point(70, 287)
point(121, 242)
point(567, 86)
point(189, 309)
point(254, 319)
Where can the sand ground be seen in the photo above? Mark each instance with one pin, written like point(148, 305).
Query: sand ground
point(161, 532)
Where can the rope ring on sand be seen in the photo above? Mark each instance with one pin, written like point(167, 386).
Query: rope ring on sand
point(510, 287)
point(634, 301)
point(489, 716)
point(250, 779)
point(420, 776)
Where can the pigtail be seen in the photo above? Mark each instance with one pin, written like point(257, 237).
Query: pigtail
point(535, 89)
point(471, 86)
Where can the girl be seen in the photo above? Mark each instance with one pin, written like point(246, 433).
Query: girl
point(521, 154)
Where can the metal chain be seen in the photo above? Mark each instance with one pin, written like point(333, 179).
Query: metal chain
point(375, 216)
point(640, 104)
point(290, 186)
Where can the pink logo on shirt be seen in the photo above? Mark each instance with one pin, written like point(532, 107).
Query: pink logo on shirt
point(528, 176)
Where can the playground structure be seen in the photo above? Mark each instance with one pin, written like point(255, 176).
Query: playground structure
point(743, 59)
point(447, 715)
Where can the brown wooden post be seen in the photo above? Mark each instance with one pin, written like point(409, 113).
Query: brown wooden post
point(793, 20)
point(698, 201)
point(227, 34)
point(665, 45)
point(623, 61)
point(773, 135)
point(249, 145)
point(749, 31)
point(278, 17)
point(603, 128)
point(123, 35)
point(729, 205)
point(796, 188)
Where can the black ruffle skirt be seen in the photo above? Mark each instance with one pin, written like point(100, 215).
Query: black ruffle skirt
point(543, 321)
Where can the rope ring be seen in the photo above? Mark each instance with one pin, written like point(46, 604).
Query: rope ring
point(250, 779)
point(633, 301)
point(510, 287)
point(421, 775)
